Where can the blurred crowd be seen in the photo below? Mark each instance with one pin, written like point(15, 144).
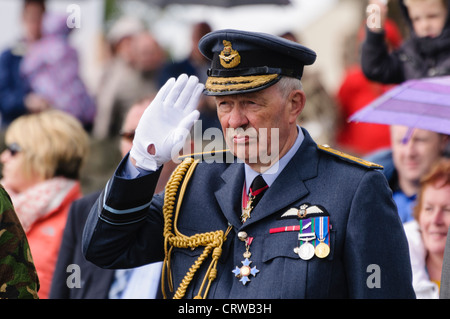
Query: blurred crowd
point(62, 142)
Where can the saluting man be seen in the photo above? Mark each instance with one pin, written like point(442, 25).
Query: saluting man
point(280, 218)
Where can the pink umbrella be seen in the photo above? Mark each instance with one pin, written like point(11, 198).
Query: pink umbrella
point(419, 103)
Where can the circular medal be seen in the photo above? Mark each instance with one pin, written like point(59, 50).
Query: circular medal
point(306, 251)
point(322, 250)
point(245, 271)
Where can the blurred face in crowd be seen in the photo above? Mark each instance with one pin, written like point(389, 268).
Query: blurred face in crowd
point(199, 30)
point(413, 157)
point(428, 17)
point(130, 124)
point(251, 120)
point(434, 216)
point(41, 146)
point(32, 20)
point(14, 177)
point(147, 53)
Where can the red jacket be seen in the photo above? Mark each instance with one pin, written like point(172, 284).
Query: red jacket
point(356, 92)
point(45, 236)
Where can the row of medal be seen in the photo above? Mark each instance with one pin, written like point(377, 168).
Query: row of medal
point(311, 230)
point(313, 238)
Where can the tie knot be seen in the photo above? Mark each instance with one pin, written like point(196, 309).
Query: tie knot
point(258, 184)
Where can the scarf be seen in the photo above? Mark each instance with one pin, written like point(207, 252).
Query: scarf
point(41, 199)
point(432, 47)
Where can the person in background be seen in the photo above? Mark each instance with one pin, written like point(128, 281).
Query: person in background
point(41, 171)
point(423, 54)
point(18, 276)
point(149, 58)
point(355, 92)
point(320, 119)
point(129, 75)
point(412, 154)
point(16, 97)
point(52, 70)
point(427, 233)
point(194, 64)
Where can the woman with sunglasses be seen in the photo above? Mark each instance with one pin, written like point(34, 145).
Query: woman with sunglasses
point(41, 170)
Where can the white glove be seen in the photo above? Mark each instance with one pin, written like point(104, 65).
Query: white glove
point(165, 124)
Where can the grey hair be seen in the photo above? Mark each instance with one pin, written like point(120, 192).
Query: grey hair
point(287, 84)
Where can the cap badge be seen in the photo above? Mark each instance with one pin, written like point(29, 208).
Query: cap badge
point(229, 58)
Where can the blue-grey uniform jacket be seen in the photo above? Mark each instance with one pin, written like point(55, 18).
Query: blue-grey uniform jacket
point(368, 256)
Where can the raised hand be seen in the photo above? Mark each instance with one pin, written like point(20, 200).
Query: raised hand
point(166, 122)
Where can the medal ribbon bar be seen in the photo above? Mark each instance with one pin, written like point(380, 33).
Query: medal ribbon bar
point(322, 230)
point(284, 229)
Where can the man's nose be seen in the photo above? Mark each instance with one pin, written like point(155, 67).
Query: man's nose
point(237, 118)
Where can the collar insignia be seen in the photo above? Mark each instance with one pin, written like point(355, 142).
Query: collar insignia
point(229, 58)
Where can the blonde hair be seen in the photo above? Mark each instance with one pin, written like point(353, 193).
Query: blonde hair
point(53, 143)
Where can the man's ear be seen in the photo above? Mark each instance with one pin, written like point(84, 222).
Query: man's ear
point(296, 100)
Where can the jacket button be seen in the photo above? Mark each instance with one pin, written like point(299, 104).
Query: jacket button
point(242, 235)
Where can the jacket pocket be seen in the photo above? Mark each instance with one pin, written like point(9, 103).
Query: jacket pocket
point(288, 274)
point(280, 245)
point(184, 266)
point(284, 272)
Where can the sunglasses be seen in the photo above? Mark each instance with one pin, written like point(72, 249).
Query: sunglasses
point(13, 148)
point(129, 135)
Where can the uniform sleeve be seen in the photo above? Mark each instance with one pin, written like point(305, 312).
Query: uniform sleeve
point(376, 62)
point(59, 288)
point(18, 276)
point(125, 226)
point(445, 280)
point(376, 249)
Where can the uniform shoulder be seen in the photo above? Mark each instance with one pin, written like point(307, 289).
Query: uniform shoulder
point(348, 158)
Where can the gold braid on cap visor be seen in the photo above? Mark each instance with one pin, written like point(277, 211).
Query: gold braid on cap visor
point(238, 83)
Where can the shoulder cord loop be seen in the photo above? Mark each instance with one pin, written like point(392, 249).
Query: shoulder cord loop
point(211, 240)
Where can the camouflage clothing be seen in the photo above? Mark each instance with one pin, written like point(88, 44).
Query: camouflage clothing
point(18, 277)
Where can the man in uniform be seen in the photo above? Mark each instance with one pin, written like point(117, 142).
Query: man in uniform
point(320, 224)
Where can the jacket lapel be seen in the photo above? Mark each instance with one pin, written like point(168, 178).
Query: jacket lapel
point(229, 196)
point(287, 188)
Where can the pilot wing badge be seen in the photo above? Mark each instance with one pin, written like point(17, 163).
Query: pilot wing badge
point(303, 211)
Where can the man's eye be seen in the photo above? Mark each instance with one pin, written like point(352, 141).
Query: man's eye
point(251, 103)
point(223, 106)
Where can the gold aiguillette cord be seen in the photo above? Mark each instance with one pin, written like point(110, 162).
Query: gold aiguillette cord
point(212, 240)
